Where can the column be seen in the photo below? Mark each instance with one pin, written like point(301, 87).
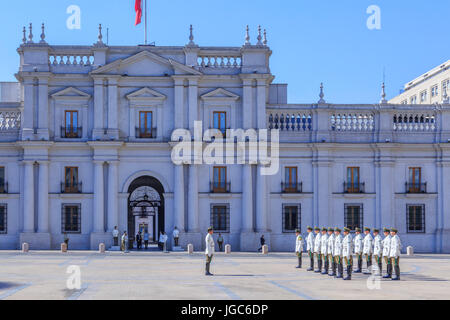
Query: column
point(28, 197)
point(193, 103)
point(179, 104)
point(99, 210)
point(43, 104)
point(261, 104)
point(98, 104)
point(113, 218)
point(247, 199)
point(179, 197)
point(193, 199)
point(261, 202)
point(28, 109)
point(247, 105)
point(112, 105)
point(43, 213)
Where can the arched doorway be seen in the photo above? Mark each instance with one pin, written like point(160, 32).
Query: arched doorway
point(145, 208)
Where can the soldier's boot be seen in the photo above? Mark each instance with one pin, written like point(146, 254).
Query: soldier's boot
point(333, 269)
point(299, 262)
point(397, 273)
point(340, 274)
point(380, 268)
point(207, 273)
point(359, 269)
point(319, 262)
point(369, 268)
point(311, 264)
point(349, 273)
point(388, 272)
point(327, 268)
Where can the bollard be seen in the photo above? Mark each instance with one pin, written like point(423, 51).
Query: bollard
point(190, 248)
point(410, 251)
point(25, 247)
point(63, 247)
point(265, 249)
point(228, 249)
point(101, 248)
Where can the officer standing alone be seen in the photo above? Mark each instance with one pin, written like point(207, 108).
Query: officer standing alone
point(209, 252)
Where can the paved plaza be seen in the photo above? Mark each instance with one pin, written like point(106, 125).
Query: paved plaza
point(154, 275)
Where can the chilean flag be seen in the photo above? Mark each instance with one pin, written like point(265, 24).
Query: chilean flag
point(138, 9)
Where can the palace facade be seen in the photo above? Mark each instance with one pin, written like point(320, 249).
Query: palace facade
point(86, 143)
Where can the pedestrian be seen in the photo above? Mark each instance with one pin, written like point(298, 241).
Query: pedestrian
point(378, 251)
point(125, 242)
point(209, 252)
point(330, 250)
point(386, 252)
point(324, 251)
point(66, 240)
point(220, 242)
point(299, 247)
point(310, 248)
point(317, 246)
point(347, 253)
point(146, 238)
point(394, 253)
point(138, 240)
point(337, 253)
point(262, 241)
point(165, 238)
point(358, 245)
point(176, 236)
point(115, 235)
point(161, 241)
point(368, 250)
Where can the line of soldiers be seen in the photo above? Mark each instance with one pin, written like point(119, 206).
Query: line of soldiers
point(330, 249)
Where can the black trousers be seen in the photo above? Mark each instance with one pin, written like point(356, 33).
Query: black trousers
point(220, 245)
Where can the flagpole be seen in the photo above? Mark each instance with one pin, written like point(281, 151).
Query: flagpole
point(145, 22)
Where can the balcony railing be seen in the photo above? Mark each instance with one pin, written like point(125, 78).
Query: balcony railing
point(291, 187)
point(4, 188)
point(71, 132)
point(71, 188)
point(220, 187)
point(145, 133)
point(354, 187)
point(415, 187)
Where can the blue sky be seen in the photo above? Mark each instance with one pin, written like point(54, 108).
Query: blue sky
point(312, 41)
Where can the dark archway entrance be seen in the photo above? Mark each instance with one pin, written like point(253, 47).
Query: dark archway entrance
point(145, 208)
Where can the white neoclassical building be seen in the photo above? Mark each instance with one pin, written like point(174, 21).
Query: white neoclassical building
point(86, 144)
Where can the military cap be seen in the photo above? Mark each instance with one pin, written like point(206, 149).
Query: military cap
point(297, 231)
point(330, 229)
point(324, 229)
point(357, 230)
point(309, 228)
point(346, 229)
point(394, 230)
point(367, 229)
point(210, 229)
point(316, 229)
point(337, 229)
point(386, 230)
point(376, 230)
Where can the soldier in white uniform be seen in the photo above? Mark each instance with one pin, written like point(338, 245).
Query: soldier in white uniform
point(324, 251)
point(310, 248)
point(377, 250)
point(347, 253)
point(299, 247)
point(330, 250)
point(368, 250)
point(386, 252)
point(394, 253)
point(358, 244)
point(317, 247)
point(209, 240)
point(337, 253)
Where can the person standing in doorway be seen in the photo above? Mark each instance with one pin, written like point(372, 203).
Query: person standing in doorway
point(220, 242)
point(176, 236)
point(146, 240)
point(209, 252)
point(115, 235)
point(138, 240)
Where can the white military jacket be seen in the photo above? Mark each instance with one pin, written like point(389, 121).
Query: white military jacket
point(209, 245)
point(368, 243)
point(337, 246)
point(387, 245)
point(331, 240)
point(299, 244)
point(317, 243)
point(310, 242)
point(324, 244)
point(358, 243)
point(347, 246)
point(378, 246)
point(396, 247)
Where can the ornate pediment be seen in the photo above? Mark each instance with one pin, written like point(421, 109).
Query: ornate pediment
point(146, 94)
point(220, 94)
point(71, 93)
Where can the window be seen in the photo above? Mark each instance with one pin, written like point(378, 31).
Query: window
point(3, 188)
point(435, 91)
point(413, 100)
point(291, 218)
point(415, 218)
point(3, 219)
point(145, 124)
point(404, 102)
point(291, 179)
point(220, 180)
point(220, 218)
point(415, 179)
point(423, 96)
point(353, 185)
point(71, 129)
point(71, 218)
point(353, 216)
point(445, 86)
point(220, 121)
point(71, 184)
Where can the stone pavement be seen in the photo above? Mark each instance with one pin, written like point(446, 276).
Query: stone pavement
point(139, 275)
